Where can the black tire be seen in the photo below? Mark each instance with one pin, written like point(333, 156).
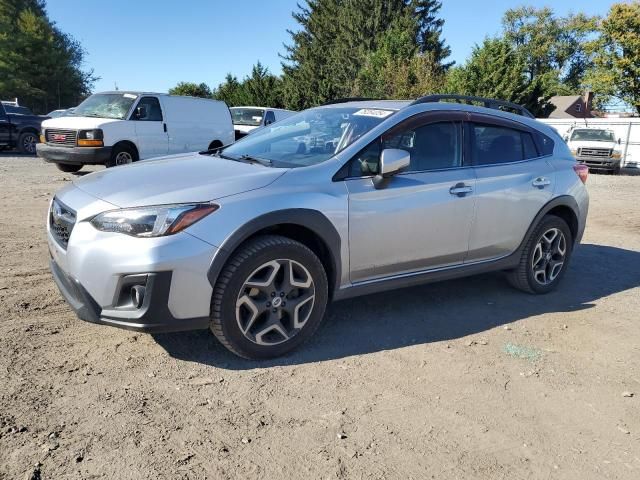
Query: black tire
point(68, 168)
point(523, 277)
point(215, 144)
point(120, 151)
point(27, 143)
point(616, 170)
point(249, 259)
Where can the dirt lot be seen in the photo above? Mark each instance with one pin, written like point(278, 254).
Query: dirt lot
point(466, 379)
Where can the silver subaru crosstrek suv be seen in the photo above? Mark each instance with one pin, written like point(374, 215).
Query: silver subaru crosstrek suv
point(350, 198)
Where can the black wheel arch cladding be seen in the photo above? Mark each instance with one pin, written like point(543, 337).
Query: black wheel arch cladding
point(308, 219)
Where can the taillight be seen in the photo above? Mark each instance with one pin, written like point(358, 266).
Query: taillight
point(582, 171)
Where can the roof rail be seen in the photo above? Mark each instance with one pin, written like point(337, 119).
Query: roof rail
point(485, 102)
point(347, 99)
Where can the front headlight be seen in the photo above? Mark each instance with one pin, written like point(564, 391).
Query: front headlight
point(154, 221)
point(574, 152)
point(90, 138)
point(616, 155)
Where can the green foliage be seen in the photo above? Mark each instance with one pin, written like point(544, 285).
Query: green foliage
point(344, 48)
point(260, 88)
point(617, 63)
point(191, 90)
point(39, 64)
point(498, 70)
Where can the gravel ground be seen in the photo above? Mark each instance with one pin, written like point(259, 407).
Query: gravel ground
point(466, 379)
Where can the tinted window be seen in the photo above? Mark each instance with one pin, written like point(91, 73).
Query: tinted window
point(17, 110)
point(153, 110)
point(493, 144)
point(432, 146)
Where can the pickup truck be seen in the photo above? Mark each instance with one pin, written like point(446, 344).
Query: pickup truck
point(597, 148)
point(19, 128)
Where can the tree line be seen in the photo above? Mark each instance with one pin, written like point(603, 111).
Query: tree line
point(395, 49)
point(365, 48)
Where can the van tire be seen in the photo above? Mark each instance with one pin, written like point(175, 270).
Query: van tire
point(215, 144)
point(27, 143)
point(121, 155)
point(69, 168)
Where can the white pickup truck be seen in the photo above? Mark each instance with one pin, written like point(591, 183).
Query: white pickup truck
point(597, 148)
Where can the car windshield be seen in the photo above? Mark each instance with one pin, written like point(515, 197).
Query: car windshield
point(592, 135)
point(247, 116)
point(309, 137)
point(105, 105)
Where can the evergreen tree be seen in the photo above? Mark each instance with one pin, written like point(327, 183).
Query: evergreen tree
point(39, 64)
point(430, 31)
point(191, 90)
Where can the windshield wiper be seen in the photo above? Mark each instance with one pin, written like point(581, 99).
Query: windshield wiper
point(262, 161)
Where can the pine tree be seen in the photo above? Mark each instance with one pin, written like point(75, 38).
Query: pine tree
point(430, 31)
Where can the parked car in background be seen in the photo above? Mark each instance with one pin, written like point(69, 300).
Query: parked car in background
point(19, 127)
point(597, 148)
point(116, 128)
point(58, 113)
point(346, 199)
point(247, 119)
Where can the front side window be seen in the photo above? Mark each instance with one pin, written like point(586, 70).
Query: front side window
point(269, 118)
point(432, 146)
point(493, 144)
point(246, 116)
point(148, 110)
point(309, 137)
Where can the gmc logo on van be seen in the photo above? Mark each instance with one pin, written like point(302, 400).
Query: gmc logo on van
point(58, 137)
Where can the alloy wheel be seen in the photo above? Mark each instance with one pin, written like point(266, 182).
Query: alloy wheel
point(549, 256)
point(29, 143)
point(275, 302)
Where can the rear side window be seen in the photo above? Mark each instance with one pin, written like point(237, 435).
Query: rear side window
point(493, 144)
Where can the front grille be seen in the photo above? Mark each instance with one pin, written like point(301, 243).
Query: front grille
point(594, 152)
point(61, 222)
point(56, 136)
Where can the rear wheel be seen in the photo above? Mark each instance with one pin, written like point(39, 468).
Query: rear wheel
point(269, 298)
point(122, 155)
point(545, 257)
point(27, 143)
point(68, 168)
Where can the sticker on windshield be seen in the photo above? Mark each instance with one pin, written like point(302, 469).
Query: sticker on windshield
point(373, 112)
point(129, 95)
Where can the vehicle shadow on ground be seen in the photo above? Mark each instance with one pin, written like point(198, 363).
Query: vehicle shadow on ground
point(431, 313)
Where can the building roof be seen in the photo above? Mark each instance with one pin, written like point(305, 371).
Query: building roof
point(563, 104)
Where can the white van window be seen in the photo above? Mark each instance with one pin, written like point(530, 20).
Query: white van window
point(247, 116)
point(105, 105)
point(148, 110)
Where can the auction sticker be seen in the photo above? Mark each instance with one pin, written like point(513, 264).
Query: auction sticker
point(129, 95)
point(373, 112)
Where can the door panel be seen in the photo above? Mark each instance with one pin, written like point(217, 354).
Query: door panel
point(152, 138)
point(412, 224)
point(4, 127)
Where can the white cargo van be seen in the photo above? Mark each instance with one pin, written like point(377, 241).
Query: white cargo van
point(247, 119)
point(115, 128)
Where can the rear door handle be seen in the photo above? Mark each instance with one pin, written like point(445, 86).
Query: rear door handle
point(541, 182)
point(164, 126)
point(460, 189)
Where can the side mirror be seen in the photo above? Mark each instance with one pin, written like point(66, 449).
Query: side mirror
point(141, 112)
point(566, 138)
point(619, 141)
point(392, 161)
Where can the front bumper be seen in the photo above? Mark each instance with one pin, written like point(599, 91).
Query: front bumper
point(599, 163)
point(152, 317)
point(73, 155)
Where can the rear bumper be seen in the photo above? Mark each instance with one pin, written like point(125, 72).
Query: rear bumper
point(73, 155)
point(152, 317)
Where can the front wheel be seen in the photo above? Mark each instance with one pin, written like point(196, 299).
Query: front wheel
point(270, 297)
point(122, 155)
point(545, 257)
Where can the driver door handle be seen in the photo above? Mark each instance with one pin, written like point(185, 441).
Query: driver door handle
point(460, 189)
point(541, 182)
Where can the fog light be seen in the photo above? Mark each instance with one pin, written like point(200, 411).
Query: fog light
point(137, 295)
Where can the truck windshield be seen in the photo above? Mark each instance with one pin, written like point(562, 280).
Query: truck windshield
point(591, 135)
point(105, 105)
point(247, 116)
point(307, 138)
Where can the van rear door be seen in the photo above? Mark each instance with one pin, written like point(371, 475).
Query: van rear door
point(151, 129)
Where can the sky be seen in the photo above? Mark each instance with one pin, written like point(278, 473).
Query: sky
point(154, 44)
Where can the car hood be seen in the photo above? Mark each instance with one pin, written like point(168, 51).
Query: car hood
point(181, 178)
point(78, 123)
